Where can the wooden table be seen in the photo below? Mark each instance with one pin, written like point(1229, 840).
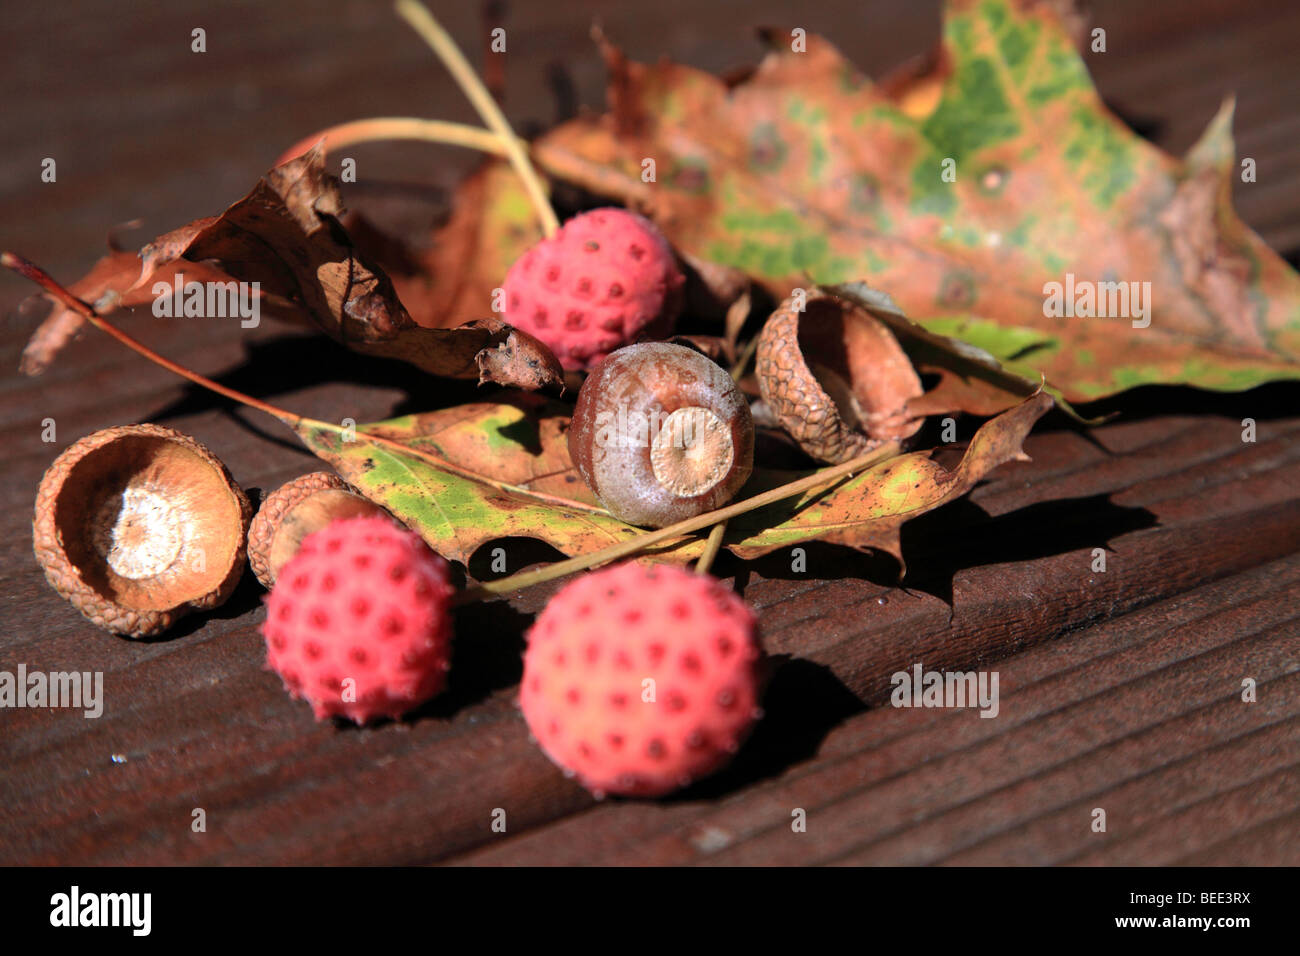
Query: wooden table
point(1120, 689)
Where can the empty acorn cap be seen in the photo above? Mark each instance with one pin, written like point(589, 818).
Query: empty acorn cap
point(836, 378)
point(295, 510)
point(136, 526)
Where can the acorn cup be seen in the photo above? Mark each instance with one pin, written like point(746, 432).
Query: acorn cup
point(138, 525)
point(293, 511)
point(836, 378)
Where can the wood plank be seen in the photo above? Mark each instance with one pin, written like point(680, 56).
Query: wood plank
point(1140, 715)
point(427, 789)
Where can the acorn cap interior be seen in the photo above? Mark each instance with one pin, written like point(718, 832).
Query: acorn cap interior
point(148, 522)
point(835, 377)
point(861, 367)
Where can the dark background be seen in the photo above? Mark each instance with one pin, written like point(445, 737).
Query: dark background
point(1119, 690)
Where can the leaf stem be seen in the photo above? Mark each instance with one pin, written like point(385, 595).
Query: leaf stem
point(431, 31)
point(399, 127)
point(738, 370)
point(711, 548)
point(641, 542)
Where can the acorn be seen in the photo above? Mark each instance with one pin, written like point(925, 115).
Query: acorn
point(295, 510)
point(836, 378)
point(660, 434)
point(137, 526)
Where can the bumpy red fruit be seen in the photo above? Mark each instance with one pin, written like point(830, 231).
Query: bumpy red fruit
point(359, 621)
point(640, 680)
point(606, 278)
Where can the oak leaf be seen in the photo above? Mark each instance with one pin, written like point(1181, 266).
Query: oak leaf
point(804, 171)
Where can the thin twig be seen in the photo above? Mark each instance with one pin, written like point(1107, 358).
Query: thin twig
point(738, 370)
point(431, 31)
point(711, 548)
point(399, 127)
point(641, 542)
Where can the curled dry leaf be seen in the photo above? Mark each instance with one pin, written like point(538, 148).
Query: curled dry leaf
point(835, 377)
point(287, 236)
point(713, 346)
point(868, 510)
point(512, 356)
